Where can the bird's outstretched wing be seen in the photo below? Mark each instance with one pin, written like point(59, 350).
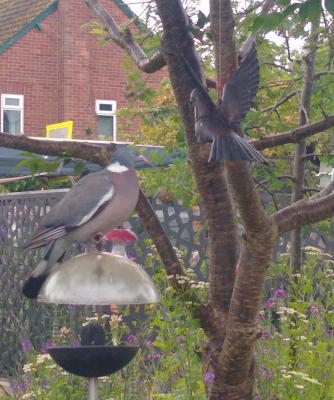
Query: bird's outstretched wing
point(85, 200)
point(240, 90)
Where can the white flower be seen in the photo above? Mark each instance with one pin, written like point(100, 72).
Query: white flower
point(311, 380)
point(105, 316)
point(286, 340)
point(299, 386)
point(286, 376)
point(311, 344)
point(181, 281)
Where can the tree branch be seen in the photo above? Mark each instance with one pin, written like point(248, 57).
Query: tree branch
point(304, 212)
point(324, 192)
point(298, 186)
point(280, 102)
point(159, 236)
point(93, 152)
point(294, 135)
point(126, 41)
point(322, 73)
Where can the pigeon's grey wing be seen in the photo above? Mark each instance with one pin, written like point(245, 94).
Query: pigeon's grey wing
point(240, 90)
point(86, 199)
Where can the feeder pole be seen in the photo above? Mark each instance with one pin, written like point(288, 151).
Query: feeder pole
point(93, 389)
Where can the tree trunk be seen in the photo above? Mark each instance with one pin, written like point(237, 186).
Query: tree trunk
point(300, 149)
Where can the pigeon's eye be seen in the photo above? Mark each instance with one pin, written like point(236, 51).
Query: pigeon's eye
point(132, 153)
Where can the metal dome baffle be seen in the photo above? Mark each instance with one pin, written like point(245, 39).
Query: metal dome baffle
point(97, 279)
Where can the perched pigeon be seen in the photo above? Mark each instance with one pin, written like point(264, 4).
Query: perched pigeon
point(219, 126)
point(98, 203)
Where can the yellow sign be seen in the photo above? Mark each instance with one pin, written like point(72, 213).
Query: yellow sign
point(60, 131)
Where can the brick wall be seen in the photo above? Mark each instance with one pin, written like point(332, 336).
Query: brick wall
point(61, 71)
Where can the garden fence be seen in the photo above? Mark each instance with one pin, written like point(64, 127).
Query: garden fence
point(21, 212)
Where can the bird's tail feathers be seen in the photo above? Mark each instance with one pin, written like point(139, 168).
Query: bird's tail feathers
point(35, 282)
point(233, 148)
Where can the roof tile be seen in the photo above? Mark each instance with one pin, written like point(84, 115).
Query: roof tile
point(16, 14)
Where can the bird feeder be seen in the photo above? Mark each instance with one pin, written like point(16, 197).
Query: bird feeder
point(98, 278)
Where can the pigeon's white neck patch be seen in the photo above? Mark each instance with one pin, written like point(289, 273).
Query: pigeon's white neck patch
point(117, 167)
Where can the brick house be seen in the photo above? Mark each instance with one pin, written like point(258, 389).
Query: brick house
point(52, 69)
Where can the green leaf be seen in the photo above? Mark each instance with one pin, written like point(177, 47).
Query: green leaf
point(290, 9)
point(51, 166)
point(27, 154)
point(283, 3)
point(21, 164)
point(258, 23)
point(329, 4)
point(158, 344)
point(310, 10)
point(78, 168)
point(34, 167)
point(272, 21)
point(201, 19)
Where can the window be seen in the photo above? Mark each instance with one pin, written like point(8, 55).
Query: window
point(105, 110)
point(12, 114)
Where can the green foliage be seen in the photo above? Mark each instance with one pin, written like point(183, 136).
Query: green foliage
point(296, 356)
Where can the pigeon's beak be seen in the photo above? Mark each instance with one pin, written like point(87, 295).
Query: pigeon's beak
point(142, 163)
point(144, 159)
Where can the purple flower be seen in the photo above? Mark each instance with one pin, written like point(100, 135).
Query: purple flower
point(22, 386)
point(264, 334)
point(131, 339)
point(267, 373)
point(329, 332)
point(180, 339)
point(257, 397)
point(313, 309)
point(209, 377)
point(261, 317)
point(156, 356)
point(13, 385)
point(45, 384)
point(26, 347)
point(46, 345)
point(28, 379)
point(76, 343)
point(269, 303)
point(149, 344)
point(279, 293)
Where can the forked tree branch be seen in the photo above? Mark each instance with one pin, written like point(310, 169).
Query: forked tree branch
point(294, 135)
point(280, 102)
point(305, 212)
point(126, 40)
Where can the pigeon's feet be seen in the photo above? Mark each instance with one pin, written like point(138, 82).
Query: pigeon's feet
point(97, 240)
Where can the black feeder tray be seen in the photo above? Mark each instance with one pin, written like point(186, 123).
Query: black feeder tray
point(93, 361)
point(97, 279)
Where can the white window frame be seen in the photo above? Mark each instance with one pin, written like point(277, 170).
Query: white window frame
point(20, 108)
point(112, 113)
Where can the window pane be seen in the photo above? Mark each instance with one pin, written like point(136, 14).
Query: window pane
point(12, 102)
point(105, 107)
point(106, 126)
point(12, 121)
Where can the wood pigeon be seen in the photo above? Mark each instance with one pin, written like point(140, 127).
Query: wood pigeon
point(98, 203)
point(219, 127)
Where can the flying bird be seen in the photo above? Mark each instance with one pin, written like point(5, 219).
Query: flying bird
point(220, 126)
point(98, 203)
